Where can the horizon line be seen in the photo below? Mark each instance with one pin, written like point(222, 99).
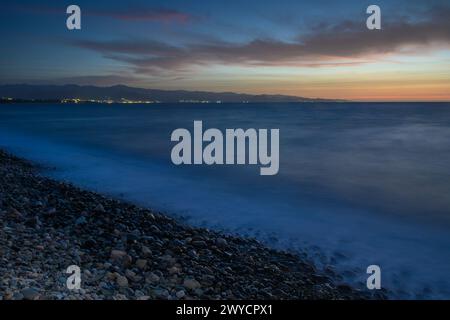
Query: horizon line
point(342, 100)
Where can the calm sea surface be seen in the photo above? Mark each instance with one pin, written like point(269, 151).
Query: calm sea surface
point(359, 183)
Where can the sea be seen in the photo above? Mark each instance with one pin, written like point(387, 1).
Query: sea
point(359, 184)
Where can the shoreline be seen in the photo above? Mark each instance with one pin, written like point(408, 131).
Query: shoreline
point(128, 252)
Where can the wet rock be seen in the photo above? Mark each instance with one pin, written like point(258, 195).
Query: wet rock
point(132, 276)
point(99, 208)
point(191, 284)
point(174, 270)
point(180, 294)
point(168, 259)
point(33, 222)
point(199, 244)
point(88, 244)
point(18, 296)
point(141, 263)
point(30, 294)
point(221, 242)
point(161, 293)
point(80, 221)
point(146, 252)
point(152, 278)
point(155, 229)
point(50, 211)
point(14, 213)
point(122, 281)
point(118, 254)
point(111, 276)
point(121, 257)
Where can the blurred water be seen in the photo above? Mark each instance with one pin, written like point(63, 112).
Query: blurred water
point(358, 184)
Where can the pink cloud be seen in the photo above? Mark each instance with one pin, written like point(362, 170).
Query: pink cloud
point(163, 15)
point(146, 14)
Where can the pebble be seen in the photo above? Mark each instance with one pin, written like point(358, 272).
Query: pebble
point(221, 242)
point(141, 263)
point(100, 208)
point(146, 252)
point(80, 221)
point(122, 281)
point(161, 293)
point(191, 284)
point(199, 244)
point(118, 254)
point(30, 294)
point(174, 270)
point(152, 278)
point(180, 294)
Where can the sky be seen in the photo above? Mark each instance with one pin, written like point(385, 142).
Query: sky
point(304, 48)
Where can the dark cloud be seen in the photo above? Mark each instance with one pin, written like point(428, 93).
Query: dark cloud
point(325, 44)
point(146, 14)
point(130, 13)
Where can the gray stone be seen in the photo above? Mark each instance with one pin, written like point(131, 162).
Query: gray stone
point(80, 221)
point(122, 281)
point(191, 284)
point(30, 294)
point(100, 208)
point(221, 242)
point(141, 263)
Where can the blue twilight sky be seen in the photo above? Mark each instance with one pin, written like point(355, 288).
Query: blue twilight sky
point(310, 48)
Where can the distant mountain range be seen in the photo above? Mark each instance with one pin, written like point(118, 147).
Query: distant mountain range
point(121, 93)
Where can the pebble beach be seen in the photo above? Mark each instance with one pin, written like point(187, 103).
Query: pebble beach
point(127, 252)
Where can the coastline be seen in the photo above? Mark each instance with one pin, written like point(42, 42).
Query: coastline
point(128, 252)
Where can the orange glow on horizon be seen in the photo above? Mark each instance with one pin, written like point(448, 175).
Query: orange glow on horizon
point(423, 77)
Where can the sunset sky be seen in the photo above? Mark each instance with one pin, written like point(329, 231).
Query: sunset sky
point(305, 48)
